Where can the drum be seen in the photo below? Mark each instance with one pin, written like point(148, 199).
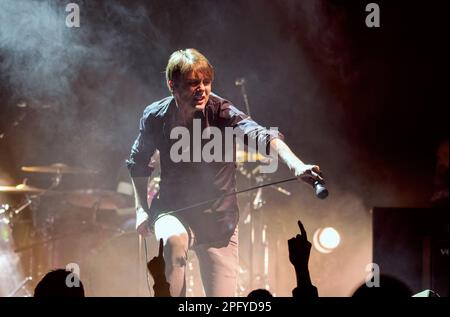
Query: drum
point(117, 266)
point(66, 235)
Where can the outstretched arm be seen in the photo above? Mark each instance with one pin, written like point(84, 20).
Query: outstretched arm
point(307, 172)
point(264, 137)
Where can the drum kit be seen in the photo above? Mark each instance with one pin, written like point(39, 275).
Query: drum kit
point(75, 226)
point(95, 229)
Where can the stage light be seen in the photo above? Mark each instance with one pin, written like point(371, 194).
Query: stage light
point(325, 240)
point(4, 208)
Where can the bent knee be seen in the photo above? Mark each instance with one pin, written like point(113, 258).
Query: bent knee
point(176, 249)
point(177, 241)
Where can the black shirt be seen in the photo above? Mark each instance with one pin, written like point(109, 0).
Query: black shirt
point(187, 183)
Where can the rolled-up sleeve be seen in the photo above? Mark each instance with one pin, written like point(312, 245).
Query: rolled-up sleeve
point(248, 127)
point(142, 149)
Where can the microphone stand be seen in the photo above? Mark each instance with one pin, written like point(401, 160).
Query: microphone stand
point(48, 239)
point(20, 286)
point(256, 221)
point(241, 82)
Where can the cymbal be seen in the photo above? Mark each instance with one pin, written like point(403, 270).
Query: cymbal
point(20, 189)
point(58, 168)
point(98, 198)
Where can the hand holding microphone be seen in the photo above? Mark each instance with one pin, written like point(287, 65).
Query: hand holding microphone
point(312, 175)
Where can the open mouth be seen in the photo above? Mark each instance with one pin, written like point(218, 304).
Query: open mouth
point(199, 99)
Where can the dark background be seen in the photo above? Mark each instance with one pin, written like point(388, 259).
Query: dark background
point(369, 105)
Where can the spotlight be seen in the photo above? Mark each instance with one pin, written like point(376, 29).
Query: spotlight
point(4, 208)
point(327, 239)
point(4, 214)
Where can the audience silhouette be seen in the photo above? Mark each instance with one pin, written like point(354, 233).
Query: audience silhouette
point(389, 286)
point(299, 251)
point(260, 294)
point(157, 268)
point(59, 283)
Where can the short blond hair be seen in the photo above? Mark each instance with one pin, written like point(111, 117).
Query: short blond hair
point(182, 62)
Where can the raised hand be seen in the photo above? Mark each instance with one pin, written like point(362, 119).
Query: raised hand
point(157, 265)
point(299, 249)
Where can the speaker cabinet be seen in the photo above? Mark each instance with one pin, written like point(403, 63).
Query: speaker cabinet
point(412, 245)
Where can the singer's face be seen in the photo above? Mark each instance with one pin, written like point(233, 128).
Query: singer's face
point(192, 90)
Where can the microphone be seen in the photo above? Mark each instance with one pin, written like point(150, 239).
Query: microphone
point(320, 190)
point(239, 81)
